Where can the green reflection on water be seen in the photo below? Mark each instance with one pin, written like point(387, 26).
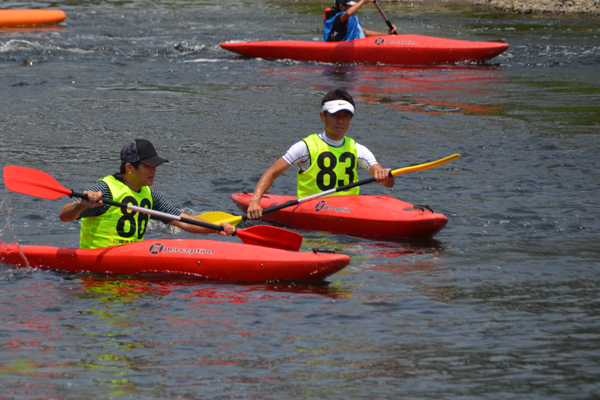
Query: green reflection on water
point(558, 106)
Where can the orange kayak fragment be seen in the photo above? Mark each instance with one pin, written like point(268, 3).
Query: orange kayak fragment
point(28, 17)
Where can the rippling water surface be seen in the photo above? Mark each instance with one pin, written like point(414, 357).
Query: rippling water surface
point(503, 303)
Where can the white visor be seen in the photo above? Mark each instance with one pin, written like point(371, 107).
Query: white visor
point(338, 105)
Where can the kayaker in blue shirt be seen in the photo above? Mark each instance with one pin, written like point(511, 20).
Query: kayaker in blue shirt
point(342, 24)
point(326, 160)
point(104, 225)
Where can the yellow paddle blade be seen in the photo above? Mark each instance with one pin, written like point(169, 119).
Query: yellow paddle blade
point(422, 167)
point(218, 217)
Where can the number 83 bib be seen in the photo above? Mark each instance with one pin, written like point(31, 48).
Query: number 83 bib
point(330, 167)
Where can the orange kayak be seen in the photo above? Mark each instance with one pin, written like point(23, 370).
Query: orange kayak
point(27, 17)
point(363, 215)
point(396, 49)
point(209, 259)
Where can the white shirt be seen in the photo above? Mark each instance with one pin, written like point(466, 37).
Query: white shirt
point(298, 153)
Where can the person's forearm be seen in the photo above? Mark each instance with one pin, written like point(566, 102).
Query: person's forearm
point(373, 33)
point(264, 183)
point(353, 9)
point(71, 211)
point(262, 186)
point(267, 179)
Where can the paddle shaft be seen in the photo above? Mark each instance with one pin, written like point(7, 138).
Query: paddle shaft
point(152, 212)
point(317, 195)
point(387, 21)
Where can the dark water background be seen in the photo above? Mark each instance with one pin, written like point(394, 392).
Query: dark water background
point(502, 304)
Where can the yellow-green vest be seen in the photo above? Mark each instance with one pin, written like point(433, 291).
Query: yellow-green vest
point(117, 225)
point(330, 167)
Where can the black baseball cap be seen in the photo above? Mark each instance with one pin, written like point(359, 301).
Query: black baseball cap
point(346, 2)
point(141, 150)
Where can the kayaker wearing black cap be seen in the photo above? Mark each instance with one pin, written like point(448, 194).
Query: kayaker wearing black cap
point(103, 225)
point(327, 160)
point(341, 23)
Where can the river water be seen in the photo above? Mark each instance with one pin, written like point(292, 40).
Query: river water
point(502, 304)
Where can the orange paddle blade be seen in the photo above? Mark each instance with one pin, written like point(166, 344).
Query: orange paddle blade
point(270, 236)
point(33, 182)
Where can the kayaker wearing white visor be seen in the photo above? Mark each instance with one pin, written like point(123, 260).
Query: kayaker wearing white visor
point(341, 23)
point(104, 225)
point(326, 160)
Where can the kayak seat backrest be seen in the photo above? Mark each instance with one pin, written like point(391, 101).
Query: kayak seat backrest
point(330, 13)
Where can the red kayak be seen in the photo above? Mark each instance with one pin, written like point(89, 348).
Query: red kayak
point(381, 216)
point(392, 49)
point(28, 17)
point(209, 259)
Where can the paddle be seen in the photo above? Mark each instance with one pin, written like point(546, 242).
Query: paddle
point(37, 183)
point(219, 217)
point(389, 24)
